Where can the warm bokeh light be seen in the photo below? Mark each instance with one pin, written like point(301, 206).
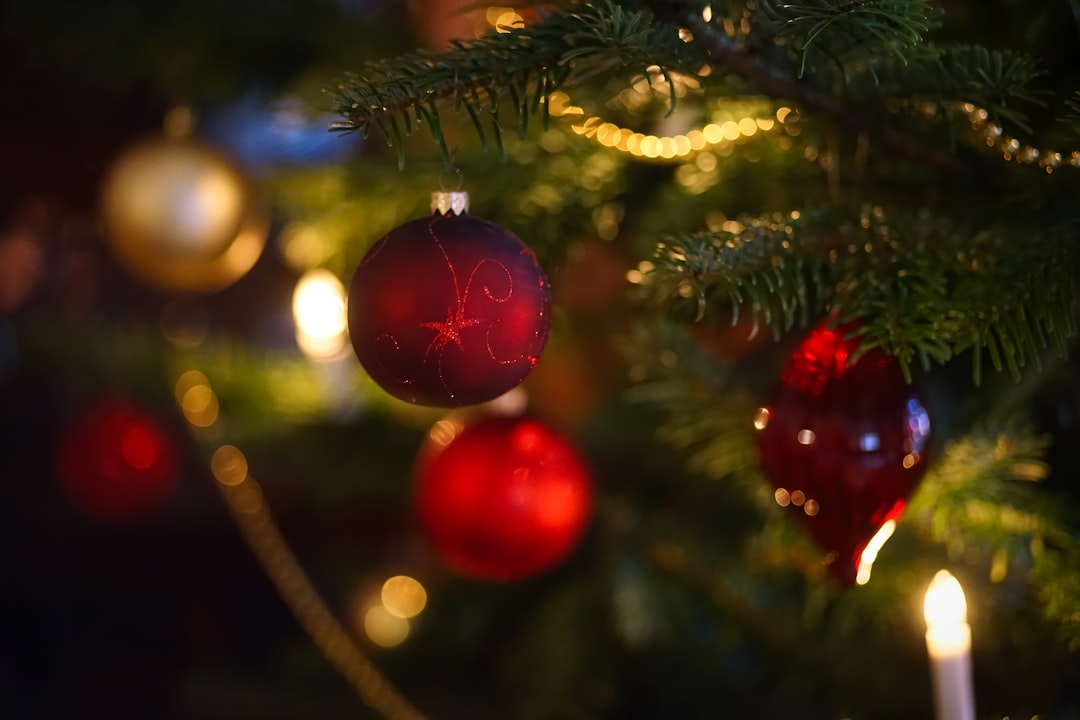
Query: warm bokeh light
point(319, 312)
point(511, 403)
point(229, 465)
point(504, 21)
point(247, 499)
point(404, 596)
point(200, 406)
point(444, 431)
point(1011, 149)
point(304, 246)
point(944, 603)
point(723, 132)
point(186, 381)
point(384, 628)
point(870, 552)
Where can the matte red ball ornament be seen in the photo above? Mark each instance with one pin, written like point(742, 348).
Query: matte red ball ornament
point(449, 309)
point(504, 499)
point(117, 462)
point(845, 445)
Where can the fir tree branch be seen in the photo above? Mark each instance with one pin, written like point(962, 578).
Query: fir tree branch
point(703, 413)
point(963, 499)
point(765, 265)
point(767, 626)
point(1055, 572)
point(992, 80)
point(727, 54)
point(980, 494)
point(1072, 117)
point(849, 30)
point(522, 64)
point(923, 288)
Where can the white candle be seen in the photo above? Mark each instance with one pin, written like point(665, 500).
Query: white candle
point(948, 641)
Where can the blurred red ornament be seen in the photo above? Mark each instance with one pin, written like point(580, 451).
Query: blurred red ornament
point(592, 280)
point(504, 499)
point(117, 462)
point(729, 343)
point(844, 444)
point(571, 382)
point(438, 23)
point(449, 309)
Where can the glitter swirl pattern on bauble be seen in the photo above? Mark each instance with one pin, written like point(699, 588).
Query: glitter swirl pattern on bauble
point(449, 310)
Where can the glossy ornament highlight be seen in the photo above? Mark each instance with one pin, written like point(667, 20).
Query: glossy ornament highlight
point(449, 309)
point(504, 498)
point(844, 443)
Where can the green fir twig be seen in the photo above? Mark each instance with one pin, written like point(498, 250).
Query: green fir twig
point(924, 287)
point(523, 65)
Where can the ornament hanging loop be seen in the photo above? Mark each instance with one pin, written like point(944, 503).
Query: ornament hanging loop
point(458, 178)
point(445, 201)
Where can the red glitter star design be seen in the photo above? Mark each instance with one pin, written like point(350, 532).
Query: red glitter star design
point(449, 330)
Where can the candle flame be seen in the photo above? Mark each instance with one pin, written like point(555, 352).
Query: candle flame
point(944, 603)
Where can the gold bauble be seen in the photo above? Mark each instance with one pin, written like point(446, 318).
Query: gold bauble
point(180, 216)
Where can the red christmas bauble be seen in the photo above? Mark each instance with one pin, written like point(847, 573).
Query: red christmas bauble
point(845, 445)
point(449, 310)
point(505, 499)
point(117, 462)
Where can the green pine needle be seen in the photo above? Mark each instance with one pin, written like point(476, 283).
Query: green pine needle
point(849, 30)
point(922, 287)
point(525, 64)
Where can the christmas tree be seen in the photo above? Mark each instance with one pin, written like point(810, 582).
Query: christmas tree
point(759, 315)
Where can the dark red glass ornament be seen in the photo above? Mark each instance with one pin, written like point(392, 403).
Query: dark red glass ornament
point(117, 462)
point(505, 499)
point(845, 445)
point(449, 310)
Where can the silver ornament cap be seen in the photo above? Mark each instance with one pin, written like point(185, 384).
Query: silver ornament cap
point(449, 202)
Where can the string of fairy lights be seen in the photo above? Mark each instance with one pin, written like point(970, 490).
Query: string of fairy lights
point(1012, 149)
point(720, 132)
point(385, 623)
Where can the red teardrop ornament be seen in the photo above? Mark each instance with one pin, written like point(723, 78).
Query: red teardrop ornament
point(845, 445)
point(449, 310)
point(504, 498)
